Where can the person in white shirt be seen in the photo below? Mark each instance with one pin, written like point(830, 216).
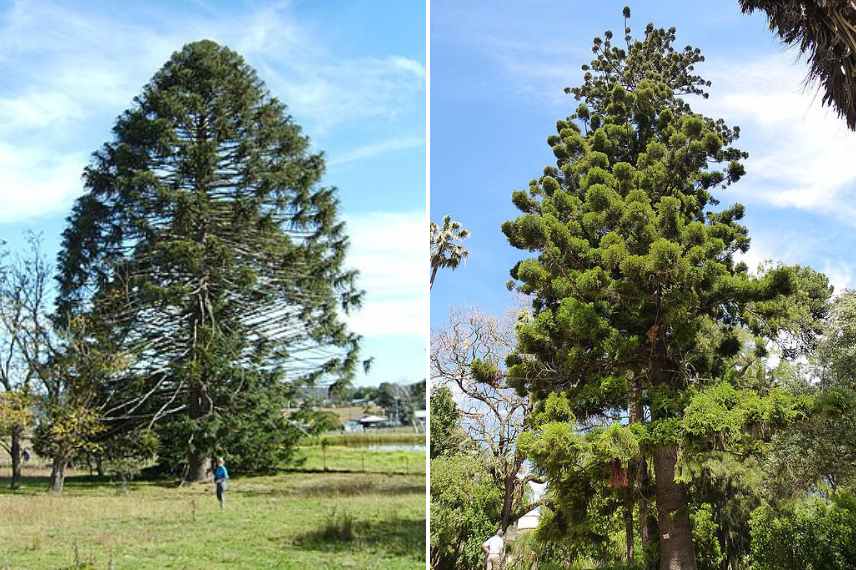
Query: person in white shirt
point(493, 548)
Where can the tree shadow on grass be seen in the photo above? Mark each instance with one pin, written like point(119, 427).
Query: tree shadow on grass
point(342, 532)
point(38, 484)
point(78, 485)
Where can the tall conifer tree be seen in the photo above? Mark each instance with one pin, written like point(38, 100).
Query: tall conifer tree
point(637, 296)
point(206, 249)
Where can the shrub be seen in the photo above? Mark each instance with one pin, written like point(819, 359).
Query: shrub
point(812, 535)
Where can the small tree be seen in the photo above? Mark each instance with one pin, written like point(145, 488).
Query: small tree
point(64, 431)
point(16, 414)
point(467, 357)
point(23, 299)
point(74, 405)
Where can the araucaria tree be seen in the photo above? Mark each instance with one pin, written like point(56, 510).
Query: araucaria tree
point(206, 251)
point(637, 296)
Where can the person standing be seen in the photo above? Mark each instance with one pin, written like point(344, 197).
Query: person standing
point(221, 476)
point(493, 549)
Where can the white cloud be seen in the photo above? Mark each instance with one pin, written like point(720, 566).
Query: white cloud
point(841, 275)
point(807, 250)
point(801, 152)
point(69, 72)
point(389, 250)
point(34, 183)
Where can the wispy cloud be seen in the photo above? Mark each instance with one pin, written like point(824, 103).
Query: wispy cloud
point(800, 151)
point(376, 149)
point(68, 72)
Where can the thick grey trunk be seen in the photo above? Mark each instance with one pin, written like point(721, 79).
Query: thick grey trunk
point(197, 458)
point(15, 452)
point(57, 480)
point(198, 466)
point(677, 551)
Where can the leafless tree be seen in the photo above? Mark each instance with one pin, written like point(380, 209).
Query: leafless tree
point(492, 413)
point(24, 342)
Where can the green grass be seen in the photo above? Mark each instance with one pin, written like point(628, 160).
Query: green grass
point(360, 460)
point(291, 520)
point(374, 437)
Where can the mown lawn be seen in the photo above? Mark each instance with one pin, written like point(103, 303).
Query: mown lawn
point(309, 521)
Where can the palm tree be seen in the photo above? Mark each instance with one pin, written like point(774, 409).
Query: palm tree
point(446, 251)
point(825, 30)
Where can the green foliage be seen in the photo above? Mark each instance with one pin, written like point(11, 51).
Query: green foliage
point(256, 437)
point(465, 507)
point(818, 454)
point(723, 417)
point(811, 535)
point(708, 553)
point(640, 305)
point(204, 249)
point(447, 437)
point(125, 454)
point(16, 411)
point(486, 371)
point(633, 265)
point(66, 430)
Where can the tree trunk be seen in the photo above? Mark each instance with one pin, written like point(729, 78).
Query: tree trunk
point(197, 458)
point(198, 470)
point(647, 526)
point(676, 542)
point(57, 480)
point(507, 504)
point(511, 491)
point(15, 452)
point(628, 522)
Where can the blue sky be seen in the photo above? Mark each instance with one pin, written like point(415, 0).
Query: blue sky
point(496, 92)
point(351, 73)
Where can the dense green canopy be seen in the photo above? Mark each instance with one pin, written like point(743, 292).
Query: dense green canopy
point(206, 249)
point(640, 304)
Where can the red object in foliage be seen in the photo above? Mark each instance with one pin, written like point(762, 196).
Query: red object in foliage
point(618, 476)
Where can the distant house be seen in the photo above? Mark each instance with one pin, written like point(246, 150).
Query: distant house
point(419, 417)
point(372, 422)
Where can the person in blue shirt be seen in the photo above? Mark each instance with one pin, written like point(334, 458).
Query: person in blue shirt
point(221, 475)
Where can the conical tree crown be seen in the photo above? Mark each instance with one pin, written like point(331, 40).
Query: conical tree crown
point(203, 241)
point(633, 264)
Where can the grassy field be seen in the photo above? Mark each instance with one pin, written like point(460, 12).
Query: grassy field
point(361, 460)
point(372, 437)
point(291, 520)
